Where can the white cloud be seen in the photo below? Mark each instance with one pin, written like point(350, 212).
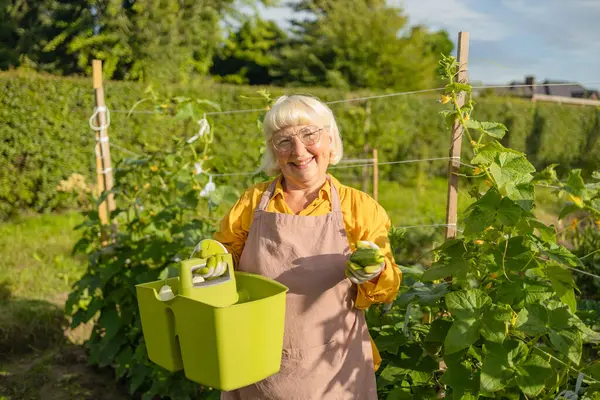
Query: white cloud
point(453, 16)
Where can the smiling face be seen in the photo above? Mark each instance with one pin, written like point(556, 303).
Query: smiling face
point(305, 163)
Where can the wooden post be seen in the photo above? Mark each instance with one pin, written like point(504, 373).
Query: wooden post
point(375, 176)
point(367, 127)
point(103, 162)
point(455, 144)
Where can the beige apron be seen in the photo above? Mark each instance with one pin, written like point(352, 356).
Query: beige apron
point(327, 352)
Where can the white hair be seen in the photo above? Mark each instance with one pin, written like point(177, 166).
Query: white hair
point(298, 110)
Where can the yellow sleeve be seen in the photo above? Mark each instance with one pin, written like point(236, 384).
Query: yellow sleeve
point(235, 225)
point(384, 288)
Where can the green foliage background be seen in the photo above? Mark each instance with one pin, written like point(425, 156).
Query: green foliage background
point(46, 137)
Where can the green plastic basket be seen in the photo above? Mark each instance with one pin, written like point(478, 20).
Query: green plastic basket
point(219, 340)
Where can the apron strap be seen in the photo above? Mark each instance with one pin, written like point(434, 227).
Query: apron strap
point(336, 204)
point(264, 200)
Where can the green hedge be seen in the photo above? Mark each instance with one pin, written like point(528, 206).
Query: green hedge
point(46, 137)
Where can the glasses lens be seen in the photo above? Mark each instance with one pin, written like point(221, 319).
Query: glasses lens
point(282, 144)
point(310, 136)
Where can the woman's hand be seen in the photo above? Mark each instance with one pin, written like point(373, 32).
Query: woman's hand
point(363, 267)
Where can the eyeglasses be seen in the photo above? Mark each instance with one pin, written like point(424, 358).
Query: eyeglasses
point(308, 137)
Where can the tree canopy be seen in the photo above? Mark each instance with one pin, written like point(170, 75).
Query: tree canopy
point(345, 44)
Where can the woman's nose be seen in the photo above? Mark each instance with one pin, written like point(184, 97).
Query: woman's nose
point(298, 147)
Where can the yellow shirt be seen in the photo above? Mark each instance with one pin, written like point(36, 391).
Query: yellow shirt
point(364, 219)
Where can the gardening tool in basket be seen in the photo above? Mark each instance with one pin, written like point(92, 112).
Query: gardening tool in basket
point(225, 332)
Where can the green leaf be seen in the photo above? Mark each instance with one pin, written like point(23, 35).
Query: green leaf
point(561, 254)
point(439, 330)
point(547, 233)
point(416, 270)
point(508, 213)
point(110, 322)
point(462, 334)
point(531, 376)
point(563, 284)
point(495, 323)
point(482, 213)
point(388, 343)
point(568, 209)
point(400, 393)
point(392, 374)
point(428, 294)
point(511, 293)
point(496, 371)
point(532, 320)
point(437, 272)
point(535, 293)
point(547, 175)
point(568, 343)
point(459, 375)
point(491, 152)
point(458, 87)
point(468, 303)
point(575, 184)
point(493, 129)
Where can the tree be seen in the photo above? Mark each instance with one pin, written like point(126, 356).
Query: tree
point(249, 53)
point(166, 39)
point(358, 43)
point(38, 33)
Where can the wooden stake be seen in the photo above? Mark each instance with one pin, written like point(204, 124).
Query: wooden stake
point(103, 161)
point(455, 144)
point(375, 176)
point(367, 127)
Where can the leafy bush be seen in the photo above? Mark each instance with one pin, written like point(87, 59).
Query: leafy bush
point(46, 137)
point(495, 316)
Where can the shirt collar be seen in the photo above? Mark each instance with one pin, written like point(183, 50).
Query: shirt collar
point(324, 193)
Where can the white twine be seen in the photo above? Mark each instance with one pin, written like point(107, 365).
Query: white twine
point(208, 188)
point(204, 129)
point(95, 114)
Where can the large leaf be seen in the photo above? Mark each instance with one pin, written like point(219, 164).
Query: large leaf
point(468, 303)
point(568, 343)
point(533, 320)
point(495, 323)
point(563, 284)
point(532, 374)
point(389, 343)
point(459, 375)
point(493, 129)
point(496, 371)
point(462, 334)
point(482, 213)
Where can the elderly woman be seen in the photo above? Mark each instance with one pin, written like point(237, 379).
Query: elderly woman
point(300, 230)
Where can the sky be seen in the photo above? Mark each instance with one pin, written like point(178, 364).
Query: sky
point(509, 39)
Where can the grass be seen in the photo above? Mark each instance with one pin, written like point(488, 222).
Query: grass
point(36, 260)
point(40, 358)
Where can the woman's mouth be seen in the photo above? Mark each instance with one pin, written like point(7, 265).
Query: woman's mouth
point(302, 164)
